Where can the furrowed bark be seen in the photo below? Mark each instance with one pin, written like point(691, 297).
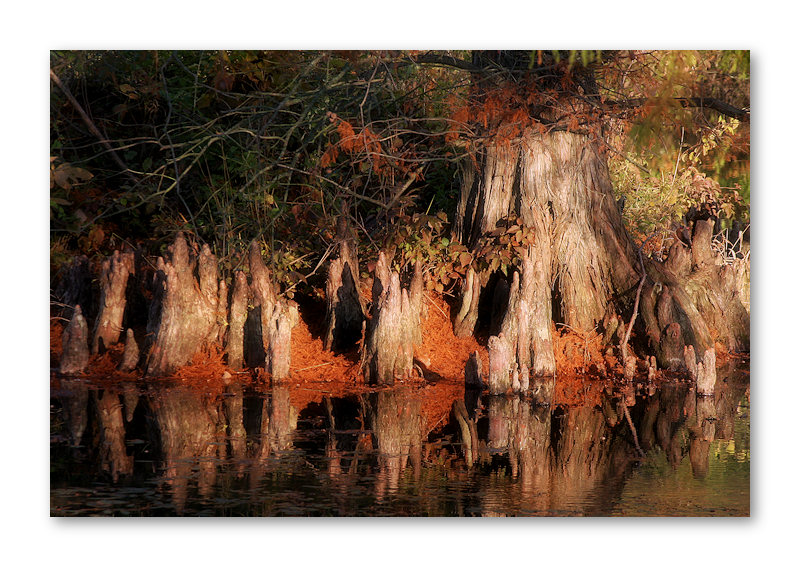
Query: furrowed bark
point(279, 336)
point(467, 316)
point(344, 307)
point(692, 295)
point(188, 310)
point(130, 357)
point(113, 283)
point(501, 364)
point(394, 326)
point(75, 287)
point(75, 345)
point(238, 315)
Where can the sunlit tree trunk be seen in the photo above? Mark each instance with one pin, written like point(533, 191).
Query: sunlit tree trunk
point(582, 263)
point(187, 314)
point(581, 256)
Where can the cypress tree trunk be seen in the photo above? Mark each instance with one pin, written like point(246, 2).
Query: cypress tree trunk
point(270, 322)
point(236, 321)
point(394, 328)
point(582, 264)
point(113, 283)
point(188, 312)
point(344, 307)
point(75, 345)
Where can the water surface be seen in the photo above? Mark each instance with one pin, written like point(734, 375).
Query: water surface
point(163, 450)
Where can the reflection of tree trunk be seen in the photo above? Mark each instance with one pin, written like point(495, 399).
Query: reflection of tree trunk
point(531, 442)
point(74, 398)
point(581, 456)
point(113, 283)
point(188, 428)
point(113, 455)
point(702, 434)
point(469, 432)
point(396, 422)
point(130, 399)
point(234, 415)
point(278, 422)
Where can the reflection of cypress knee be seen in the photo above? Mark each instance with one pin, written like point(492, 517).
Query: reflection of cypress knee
point(113, 454)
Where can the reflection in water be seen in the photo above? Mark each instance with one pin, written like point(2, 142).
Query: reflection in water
point(168, 450)
point(396, 421)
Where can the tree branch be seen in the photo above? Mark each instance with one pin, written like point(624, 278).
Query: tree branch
point(688, 102)
point(88, 121)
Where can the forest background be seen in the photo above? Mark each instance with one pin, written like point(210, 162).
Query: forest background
point(774, 206)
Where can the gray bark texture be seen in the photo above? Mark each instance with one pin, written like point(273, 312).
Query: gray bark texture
point(238, 315)
point(344, 306)
point(270, 322)
point(583, 269)
point(130, 356)
point(188, 311)
point(113, 283)
point(75, 345)
point(394, 327)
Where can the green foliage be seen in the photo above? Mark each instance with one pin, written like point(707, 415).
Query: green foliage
point(657, 202)
point(422, 238)
point(504, 247)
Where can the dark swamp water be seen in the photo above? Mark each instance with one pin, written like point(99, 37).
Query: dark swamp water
point(173, 450)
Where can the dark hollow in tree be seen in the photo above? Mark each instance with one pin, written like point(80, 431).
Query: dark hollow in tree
point(269, 324)
point(113, 284)
point(556, 180)
point(344, 313)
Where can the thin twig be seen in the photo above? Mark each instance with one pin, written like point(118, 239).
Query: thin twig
point(624, 346)
point(633, 429)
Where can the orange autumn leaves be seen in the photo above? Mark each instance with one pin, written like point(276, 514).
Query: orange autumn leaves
point(365, 146)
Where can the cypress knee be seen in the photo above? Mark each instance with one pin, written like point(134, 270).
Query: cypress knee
point(113, 283)
point(75, 343)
